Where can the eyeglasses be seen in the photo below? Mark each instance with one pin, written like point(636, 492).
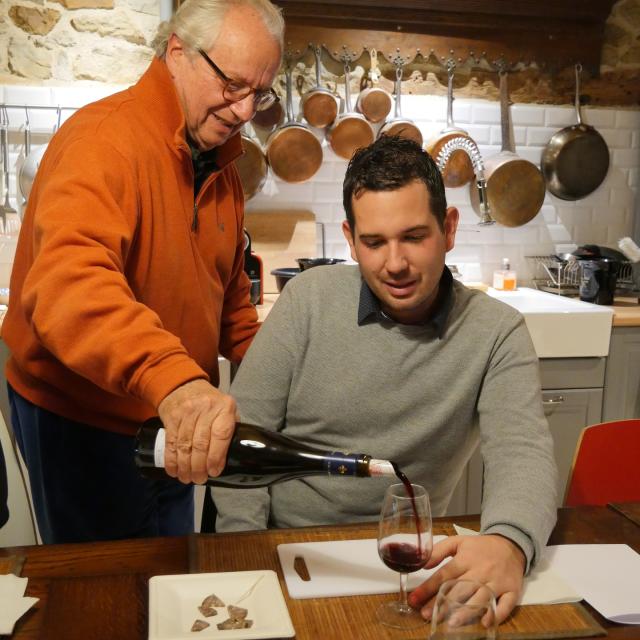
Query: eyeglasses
point(234, 91)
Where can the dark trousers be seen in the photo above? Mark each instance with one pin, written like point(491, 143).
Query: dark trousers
point(85, 484)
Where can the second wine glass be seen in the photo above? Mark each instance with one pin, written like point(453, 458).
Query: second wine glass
point(405, 543)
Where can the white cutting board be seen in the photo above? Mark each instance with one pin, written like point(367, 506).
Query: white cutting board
point(342, 568)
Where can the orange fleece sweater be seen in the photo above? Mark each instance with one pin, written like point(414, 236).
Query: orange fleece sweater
point(115, 299)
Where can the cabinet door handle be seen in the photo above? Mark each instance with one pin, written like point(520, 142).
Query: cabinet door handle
point(552, 404)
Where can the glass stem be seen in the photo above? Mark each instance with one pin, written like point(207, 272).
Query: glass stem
point(404, 605)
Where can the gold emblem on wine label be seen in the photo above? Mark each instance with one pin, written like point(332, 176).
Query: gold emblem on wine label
point(342, 469)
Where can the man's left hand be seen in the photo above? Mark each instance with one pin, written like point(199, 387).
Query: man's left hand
point(490, 559)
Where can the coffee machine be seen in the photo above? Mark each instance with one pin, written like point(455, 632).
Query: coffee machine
point(253, 269)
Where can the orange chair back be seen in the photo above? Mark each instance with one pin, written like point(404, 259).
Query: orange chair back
point(606, 465)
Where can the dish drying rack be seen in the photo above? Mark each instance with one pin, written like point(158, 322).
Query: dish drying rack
point(555, 275)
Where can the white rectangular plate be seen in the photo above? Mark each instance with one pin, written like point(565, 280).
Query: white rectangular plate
point(174, 602)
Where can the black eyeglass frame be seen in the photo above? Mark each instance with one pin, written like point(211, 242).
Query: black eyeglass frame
point(262, 99)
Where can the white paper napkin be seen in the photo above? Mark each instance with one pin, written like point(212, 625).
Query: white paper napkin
point(13, 603)
point(543, 585)
point(607, 576)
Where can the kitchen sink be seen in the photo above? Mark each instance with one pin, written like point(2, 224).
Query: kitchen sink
point(561, 327)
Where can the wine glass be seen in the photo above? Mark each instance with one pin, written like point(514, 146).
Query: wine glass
point(404, 545)
point(464, 609)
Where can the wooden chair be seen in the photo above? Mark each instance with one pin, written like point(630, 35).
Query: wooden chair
point(606, 465)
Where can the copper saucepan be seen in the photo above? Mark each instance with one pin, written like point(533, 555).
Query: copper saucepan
point(576, 159)
point(459, 170)
point(252, 167)
point(319, 105)
point(351, 130)
point(398, 125)
point(270, 118)
point(373, 102)
point(515, 187)
point(293, 151)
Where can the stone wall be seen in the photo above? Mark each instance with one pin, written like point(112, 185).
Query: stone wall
point(109, 41)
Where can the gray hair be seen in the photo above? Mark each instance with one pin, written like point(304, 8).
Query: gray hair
point(198, 22)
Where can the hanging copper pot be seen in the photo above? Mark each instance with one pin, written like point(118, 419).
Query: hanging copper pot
point(373, 102)
point(252, 167)
point(458, 171)
point(351, 130)
point(270, 118)
point(398, 125)
point(319, 105)
point(515, 187)
point(293, 151)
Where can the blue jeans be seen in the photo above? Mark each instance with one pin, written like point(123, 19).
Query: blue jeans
point(85, 484)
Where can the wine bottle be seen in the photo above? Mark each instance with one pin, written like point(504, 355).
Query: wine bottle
point(259, 457)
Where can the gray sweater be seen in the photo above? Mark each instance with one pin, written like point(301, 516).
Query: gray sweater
point(402, 393)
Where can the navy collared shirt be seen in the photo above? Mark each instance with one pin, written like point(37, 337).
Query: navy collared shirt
point(369, 309)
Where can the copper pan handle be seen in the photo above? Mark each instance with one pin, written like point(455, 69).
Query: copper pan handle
point(347, 88)
point(397, 111)
point(289, 90)
point(451, 65)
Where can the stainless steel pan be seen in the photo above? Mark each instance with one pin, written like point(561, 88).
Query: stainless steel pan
point(576, 159)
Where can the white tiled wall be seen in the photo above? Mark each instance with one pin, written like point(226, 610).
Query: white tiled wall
point(603, 217)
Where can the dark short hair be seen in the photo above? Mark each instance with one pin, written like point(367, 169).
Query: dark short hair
point(389, 163)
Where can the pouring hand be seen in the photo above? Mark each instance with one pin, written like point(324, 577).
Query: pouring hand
point(490, 559)
point(199, 422)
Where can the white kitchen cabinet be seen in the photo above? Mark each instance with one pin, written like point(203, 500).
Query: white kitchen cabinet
point(622, 379)
point(572, 393)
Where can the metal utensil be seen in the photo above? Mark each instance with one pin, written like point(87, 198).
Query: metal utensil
point(27, 151)
point(5, 208)
point(576, 159)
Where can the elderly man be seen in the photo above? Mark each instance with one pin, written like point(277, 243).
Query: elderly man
point(395, 358)
point(128, 280)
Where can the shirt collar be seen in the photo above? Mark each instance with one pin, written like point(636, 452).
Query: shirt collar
point(369, 309)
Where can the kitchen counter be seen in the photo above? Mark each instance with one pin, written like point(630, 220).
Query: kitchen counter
point(626, 312)
point(264, 308)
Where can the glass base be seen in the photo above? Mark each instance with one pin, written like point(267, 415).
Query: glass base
point(393, 614)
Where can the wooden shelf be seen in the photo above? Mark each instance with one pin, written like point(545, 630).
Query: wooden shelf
point(554, 35)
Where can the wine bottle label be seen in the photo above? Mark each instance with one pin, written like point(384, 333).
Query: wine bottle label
point(381, 468)
point(158, 449)
point(341, 464)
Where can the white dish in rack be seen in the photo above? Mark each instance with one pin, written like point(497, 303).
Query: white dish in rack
point(174, 602)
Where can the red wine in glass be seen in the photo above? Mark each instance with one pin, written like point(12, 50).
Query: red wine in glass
point(400, 549)
point(403, 557)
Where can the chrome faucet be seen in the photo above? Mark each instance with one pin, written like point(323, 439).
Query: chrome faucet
point(471, 149)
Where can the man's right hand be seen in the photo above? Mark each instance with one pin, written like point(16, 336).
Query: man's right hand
point(199, 421)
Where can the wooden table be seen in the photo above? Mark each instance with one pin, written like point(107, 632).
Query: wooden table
point(99, 591)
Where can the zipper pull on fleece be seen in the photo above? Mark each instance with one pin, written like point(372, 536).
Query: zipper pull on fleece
point(194, 224)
